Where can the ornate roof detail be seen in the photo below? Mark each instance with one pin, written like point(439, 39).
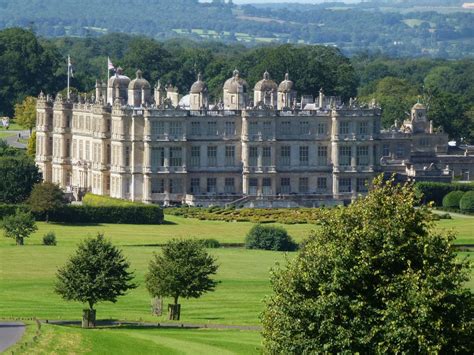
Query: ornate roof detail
point(266, 84)
point(199, 86)
point(139, 82)
point(235, 84)
point(286, 85)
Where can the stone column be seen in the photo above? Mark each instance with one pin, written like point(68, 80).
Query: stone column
point(167, 157)
point(353, 156)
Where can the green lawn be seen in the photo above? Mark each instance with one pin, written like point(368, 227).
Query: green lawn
point(27, 276)
point(73, 340)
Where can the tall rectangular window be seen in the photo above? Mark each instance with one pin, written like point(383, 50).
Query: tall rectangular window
point(363, 155)
point(157, 186)
point(304, 128)
point(229, 128)
point(127, 156)
point(267, 156)
point(363, 127)
point(285, 127)
point(176, 186)
point(253, 186)
point(157, 157)
point(304, 155)
point(157, 128)
point(345, 156)
point(253, 156)
point(267, 186)
point(253, 127)
point(322, 156)
point(343, 127)
point(229, 155)
point(196, 128)
point(285, 155)
point(88, 150)
point(267, 129)
point(176, 128)
point(285, 187)
point(322, 128)
point(345, 185)
point(322, 184)
point(195, 156)
point(212, 156)
point(212, 128)
point(386, 150)
point(195, 185)
point(229, 185)
point(211, 185)
point(176, 156)
point(303, 186)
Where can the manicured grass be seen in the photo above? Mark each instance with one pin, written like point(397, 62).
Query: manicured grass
point(71, 340)
point(175, 227)
point(28, 275)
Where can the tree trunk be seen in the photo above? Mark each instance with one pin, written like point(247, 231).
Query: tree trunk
point(19, 241)
point(88, 318)
point(174, 310)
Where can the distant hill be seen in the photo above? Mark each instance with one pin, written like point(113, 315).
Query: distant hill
point(366, 26)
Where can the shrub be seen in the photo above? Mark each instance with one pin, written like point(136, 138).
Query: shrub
point(211, 243)
point(452, 199)
point(49, 238)
point(269, 238)
point(467, 202)
point(435, 191)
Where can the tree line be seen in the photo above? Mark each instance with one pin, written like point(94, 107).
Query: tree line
point(29, 64)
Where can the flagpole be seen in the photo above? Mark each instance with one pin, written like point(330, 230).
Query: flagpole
point(68, 76)
point(108, 78)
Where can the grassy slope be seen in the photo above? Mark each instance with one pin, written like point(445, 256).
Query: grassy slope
point(27, 277)
point(71, 340)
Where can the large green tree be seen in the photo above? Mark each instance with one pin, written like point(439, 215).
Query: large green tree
point(46, 198)
point(27, 67)
point(183, 269)
point(18, 174)
point(97, 272)
point(376, 277)
point(19, 226)
point(25, 113)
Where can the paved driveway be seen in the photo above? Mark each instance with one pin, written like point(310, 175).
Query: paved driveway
point(10, 333)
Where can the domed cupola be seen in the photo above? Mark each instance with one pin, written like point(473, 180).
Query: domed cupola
point(139, 91)
point(286, 93)
point(265, 91)
point(235, 92)
point(117, 86)
point(198, 94)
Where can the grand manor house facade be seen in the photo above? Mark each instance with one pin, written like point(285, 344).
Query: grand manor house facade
point(279, 149)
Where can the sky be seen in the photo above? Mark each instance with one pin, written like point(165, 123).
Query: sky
point(290, 1)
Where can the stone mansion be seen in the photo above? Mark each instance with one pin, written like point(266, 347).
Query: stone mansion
point(276, 148)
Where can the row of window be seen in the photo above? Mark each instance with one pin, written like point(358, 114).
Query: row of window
point(175, 128)
point(347, 127)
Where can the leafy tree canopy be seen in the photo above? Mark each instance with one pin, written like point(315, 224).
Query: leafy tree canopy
point(25, 113)
point(375, 278)
point(46, 197)
point(97, 272)
point(183, 269)
point(19, 226)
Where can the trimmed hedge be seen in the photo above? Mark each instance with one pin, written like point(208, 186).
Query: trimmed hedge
point(146, 214)
point(467, 202)
point(435, 191)
point(138, 214)
point(452, 199)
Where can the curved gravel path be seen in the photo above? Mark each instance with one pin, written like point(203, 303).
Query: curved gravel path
point(10, 334)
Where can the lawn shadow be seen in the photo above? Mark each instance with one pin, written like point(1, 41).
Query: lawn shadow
point(76, 224)
point(169, 223)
